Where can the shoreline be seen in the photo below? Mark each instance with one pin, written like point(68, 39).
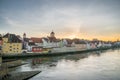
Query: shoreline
point(13, 56)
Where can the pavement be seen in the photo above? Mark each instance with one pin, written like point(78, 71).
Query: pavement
point(21, 75)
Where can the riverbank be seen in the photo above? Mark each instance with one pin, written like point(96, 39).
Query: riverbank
point(12, 56)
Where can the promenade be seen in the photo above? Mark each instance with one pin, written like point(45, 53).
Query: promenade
point(24, 55)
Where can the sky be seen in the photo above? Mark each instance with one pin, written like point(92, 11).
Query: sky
point(84, 19)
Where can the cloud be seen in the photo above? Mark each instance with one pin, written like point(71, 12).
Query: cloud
point(76, 17)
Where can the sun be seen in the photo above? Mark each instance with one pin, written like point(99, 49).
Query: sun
point(72, 36)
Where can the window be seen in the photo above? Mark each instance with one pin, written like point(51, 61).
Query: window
point(37, 48)
point(34, 48)
point(10, 49)
point(40, 49)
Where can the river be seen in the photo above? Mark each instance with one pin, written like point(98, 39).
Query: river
point(98, 65)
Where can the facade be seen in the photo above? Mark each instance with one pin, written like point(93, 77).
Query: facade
point(0, 59)
point(36, 49)
point(51, 41)
point(31, 43)
point(11, 44)
point(40, 50)
point(37, 41)
point(25, 42)
point(1, 42)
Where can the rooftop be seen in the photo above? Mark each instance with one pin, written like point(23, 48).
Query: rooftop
point(36, 40)
point(12, 38)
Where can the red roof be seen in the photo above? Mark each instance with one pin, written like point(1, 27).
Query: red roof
point(36, 40)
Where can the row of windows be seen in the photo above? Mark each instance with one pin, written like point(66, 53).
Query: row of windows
point(5, 41)
point(15, 45)
point(40, 49)
point(37, 49)
point(11, 46)
point(14, 48)
point(13, 51)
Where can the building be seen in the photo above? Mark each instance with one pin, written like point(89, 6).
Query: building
point(11, 44)
point(0, 59)
point(52, 37)
point(25, 42)
point(37, 41)
point(81, 45)
point(28, 43)
point(36, 49)
point(52, 34)
point(30, 46)
point(1, 42)
point(51, 41)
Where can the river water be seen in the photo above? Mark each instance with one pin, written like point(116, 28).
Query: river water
point(98, 65)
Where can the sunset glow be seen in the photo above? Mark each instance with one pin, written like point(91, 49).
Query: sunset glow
point(84, 19)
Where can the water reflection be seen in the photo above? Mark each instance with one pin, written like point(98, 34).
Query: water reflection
point(99, 65)
point(74, 57)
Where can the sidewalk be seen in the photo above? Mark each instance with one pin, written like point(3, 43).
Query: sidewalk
point(22, 75)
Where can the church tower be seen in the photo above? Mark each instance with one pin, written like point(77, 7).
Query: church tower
point(52, 34)
point(24, 35)
point(24, 41)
